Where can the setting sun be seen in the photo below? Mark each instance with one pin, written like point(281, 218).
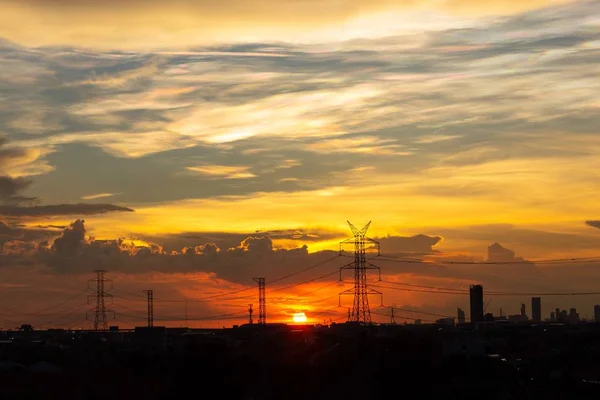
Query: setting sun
point(299, 317)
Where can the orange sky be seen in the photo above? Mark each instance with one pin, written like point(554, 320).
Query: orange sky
point(207, 143)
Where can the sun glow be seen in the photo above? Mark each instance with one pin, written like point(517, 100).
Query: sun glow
point(299, 318)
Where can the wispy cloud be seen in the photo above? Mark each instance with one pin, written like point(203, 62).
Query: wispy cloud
point(450, 118)
point(428, 139)
point(223, 171)
point(363, 145)
point(61, 209)
point(285, 164)
point(185, 24)
point(98, 196)
point(122, 78)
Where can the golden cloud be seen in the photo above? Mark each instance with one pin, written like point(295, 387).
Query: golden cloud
point(155, 24)
point(223, 171)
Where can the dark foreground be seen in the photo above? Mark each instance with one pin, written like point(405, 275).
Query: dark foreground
point(282, 362)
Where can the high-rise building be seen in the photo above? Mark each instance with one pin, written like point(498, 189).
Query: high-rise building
point(461, 315)
point(573, 316)
point(562, 315)
point(523, 313)
point(476, 297)
point(536, 309)
point(597, 313)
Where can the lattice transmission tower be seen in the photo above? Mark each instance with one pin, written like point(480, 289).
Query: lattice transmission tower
point(150, 300)
point(262, 304)
point(250, 320)
point(100, 295)
point(361, 291)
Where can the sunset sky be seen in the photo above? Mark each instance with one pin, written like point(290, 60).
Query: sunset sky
point(189, 146)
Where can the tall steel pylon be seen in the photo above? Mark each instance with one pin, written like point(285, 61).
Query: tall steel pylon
point(250, 320)
point(360, 309)
point(150, 296)
point(262, 306)
point(100, 311)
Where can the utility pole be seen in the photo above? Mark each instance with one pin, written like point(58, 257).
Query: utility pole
point(150, 294)
point(262, 306)
point(392, 319)
point(186, 316)
point(360, 309)
point(100, 321)
point(250, 320)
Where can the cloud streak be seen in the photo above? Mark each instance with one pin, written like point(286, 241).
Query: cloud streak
point(61, 209)
point(223, 171)
point(98, 196)
point(188, 23)
point(447, 124)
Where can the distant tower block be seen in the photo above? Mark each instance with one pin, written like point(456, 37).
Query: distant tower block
point(536, 309)
point(100, 311)
point(476, 297)
point(360, 308)
point(262, 304)
point(523, 312)
point(461, 315)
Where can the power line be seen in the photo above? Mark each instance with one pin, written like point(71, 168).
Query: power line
point(419, 290)
point(335, 283)
point(424, 287)
point(129, 293)
point(491, 293)
point(131, 316)
point(303, 282)
point(52, 307)
point(403, 317)
point(52, 322)
point(241, 314)
point(543, 294)
point(120, 305)
point(419, 312)
point(325, 311)
point(303, 270)
point(72, 325)
point(125, 322)
point(139, 297)
point(579, 260)
point(284, 300)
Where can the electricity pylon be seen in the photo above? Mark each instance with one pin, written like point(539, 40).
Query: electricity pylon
point(360, 308)
point(150, 295)
point(100, 311)
point(262, 305)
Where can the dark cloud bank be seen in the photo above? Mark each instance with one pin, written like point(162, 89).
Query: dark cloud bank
point(593, 224)
point(73, 251)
